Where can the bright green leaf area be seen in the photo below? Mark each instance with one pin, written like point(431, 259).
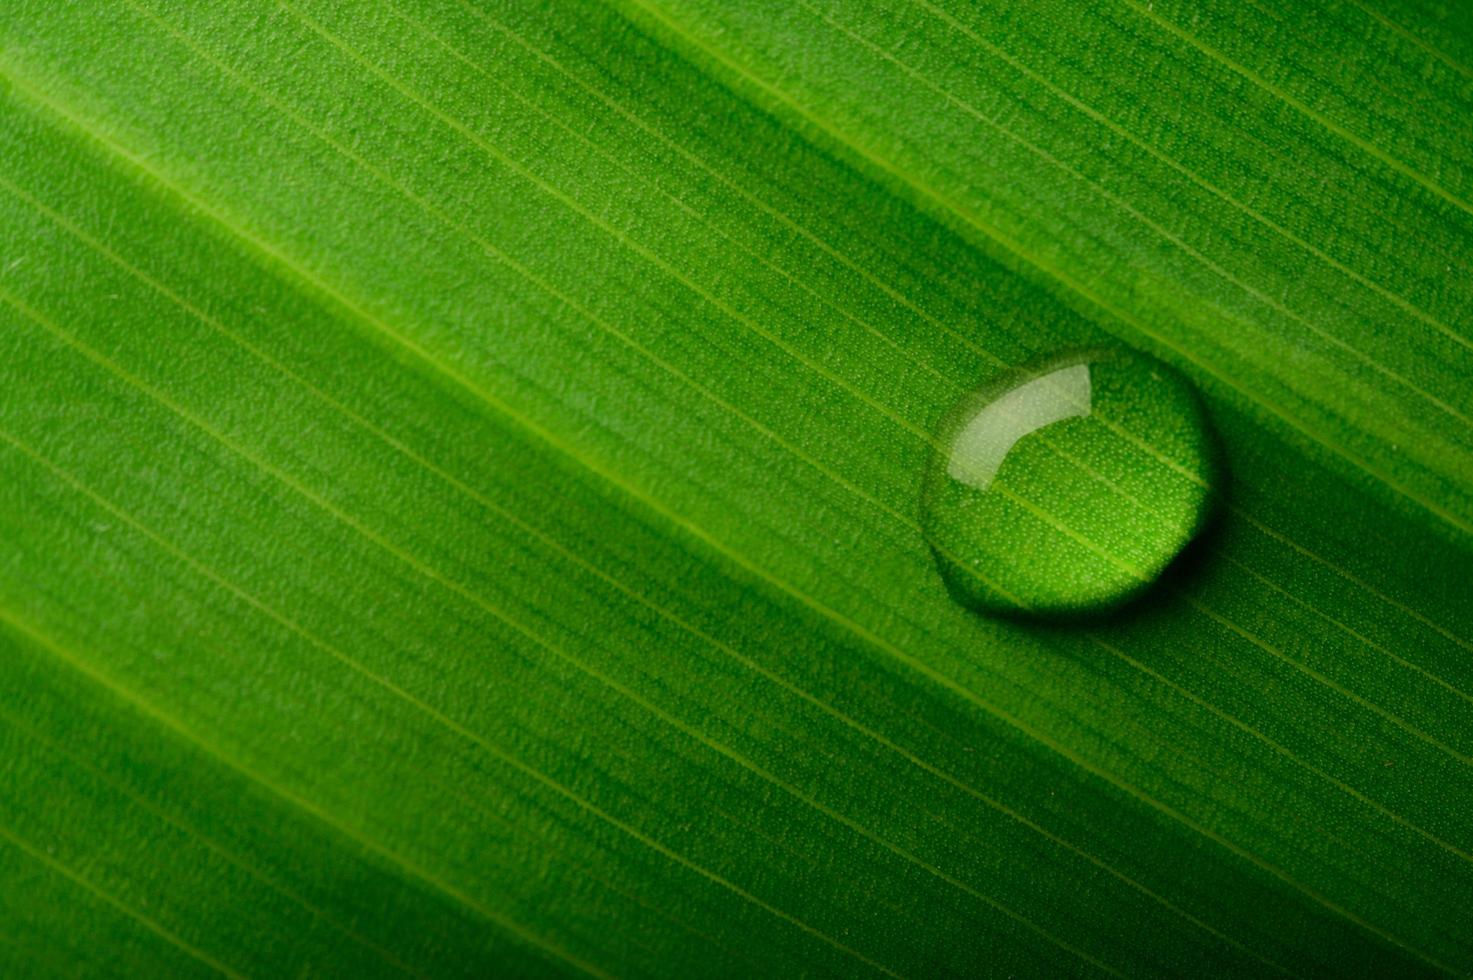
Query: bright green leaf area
point(459, 475)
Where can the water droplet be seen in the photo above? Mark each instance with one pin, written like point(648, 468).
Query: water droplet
point(1069, 485)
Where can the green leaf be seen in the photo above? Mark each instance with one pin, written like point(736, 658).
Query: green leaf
point(459, 473)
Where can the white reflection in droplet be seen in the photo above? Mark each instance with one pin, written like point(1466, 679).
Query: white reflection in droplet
point(987, 438)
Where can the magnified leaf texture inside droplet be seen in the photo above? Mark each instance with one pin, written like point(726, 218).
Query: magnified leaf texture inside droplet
point(1069, 485)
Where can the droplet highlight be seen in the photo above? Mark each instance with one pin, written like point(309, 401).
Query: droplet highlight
point(1068, 486)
